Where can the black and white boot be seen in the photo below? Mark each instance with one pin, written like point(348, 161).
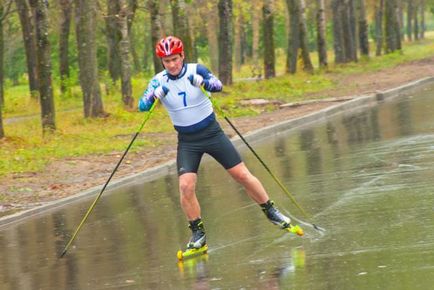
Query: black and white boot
point(275, 216)
point(198, 238)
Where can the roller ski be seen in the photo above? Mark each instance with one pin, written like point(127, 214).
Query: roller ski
point(279, 219)
point(197, 245)
point(191, 253)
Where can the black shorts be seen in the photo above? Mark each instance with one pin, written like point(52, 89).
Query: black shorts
point(211, 140)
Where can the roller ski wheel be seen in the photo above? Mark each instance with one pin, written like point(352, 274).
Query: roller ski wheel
point(191, 253)
point(295, 230)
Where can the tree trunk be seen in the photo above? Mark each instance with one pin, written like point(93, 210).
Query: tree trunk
point(400, 18)
point(245, 47)
point(321, 34)
point(363, 29)
point(338, 34)
point(348, 24)
point(2, 101)
point(208, 13)
point(416, 21)
point(113, 36)
point(398, 24)
point(353, 30)
point(256, 21)
point(166, 22)
point(379, 11)
point(304, 48)
point(85, 22)
point(2, 132)
point(409, 29)
point(181, 28)
point(133, 5)
point(44, 65)
point(2, 46)
point(391, 26)
point(29, 44)
point(153, 6)
point(225, 41)
point(237, 38)
point(293, 37)
point(268, 40)
point(4, 11)
point(124, 53)
point(65, 25)
point(422, 19)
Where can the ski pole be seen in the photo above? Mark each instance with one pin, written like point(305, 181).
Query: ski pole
point(92, 206)
point(277, 180)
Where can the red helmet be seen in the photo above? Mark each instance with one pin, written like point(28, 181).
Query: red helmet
point(168, 46)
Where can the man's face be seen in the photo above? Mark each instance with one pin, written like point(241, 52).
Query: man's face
point(173, 63)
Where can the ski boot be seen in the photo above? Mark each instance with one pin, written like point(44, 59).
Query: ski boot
point(198, 238)
point(277, 218)
point(197, 244)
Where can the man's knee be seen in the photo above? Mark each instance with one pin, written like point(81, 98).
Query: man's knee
point(187, 185)
point(242, 176)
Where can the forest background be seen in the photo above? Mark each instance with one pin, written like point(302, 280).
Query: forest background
point(71, 71)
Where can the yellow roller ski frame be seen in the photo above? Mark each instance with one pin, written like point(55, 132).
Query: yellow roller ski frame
point(190, 253)
point(295, 230)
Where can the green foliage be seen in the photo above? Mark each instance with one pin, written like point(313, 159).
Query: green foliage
point(24, 149)
point(15, 66)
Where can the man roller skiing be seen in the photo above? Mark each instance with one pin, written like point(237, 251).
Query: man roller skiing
point(178, 87)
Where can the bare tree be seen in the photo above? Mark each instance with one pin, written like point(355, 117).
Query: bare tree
point(400, 17)
point(124, 53)
point(2, 45)
point(304, 48)
point(153, 6)
point(27, 27)
point(133, 5)
point(409, 29)
point(2, 132)
point(344, 29)
point(225, 41)
point(256, 20)
point(268, 40)
point(293, 37)
point(238, 30)
point(297, 40)
point(65, 27)
point(181, 28)
point(338, 33)
point(415, 5)
point(349, 29)
point(321, 34)
point(379, 11)
point(207, 12)
point(422, 18)
point(352, 35)
point(392, 30)
point(4, 11)
point(363, 29)
point(85, 22)
point(113, 37)
point(44, 65)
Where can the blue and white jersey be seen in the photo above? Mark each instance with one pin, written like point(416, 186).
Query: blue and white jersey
point(189, 108)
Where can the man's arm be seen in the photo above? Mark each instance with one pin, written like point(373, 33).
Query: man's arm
point(147, 99)
point(210, 82)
